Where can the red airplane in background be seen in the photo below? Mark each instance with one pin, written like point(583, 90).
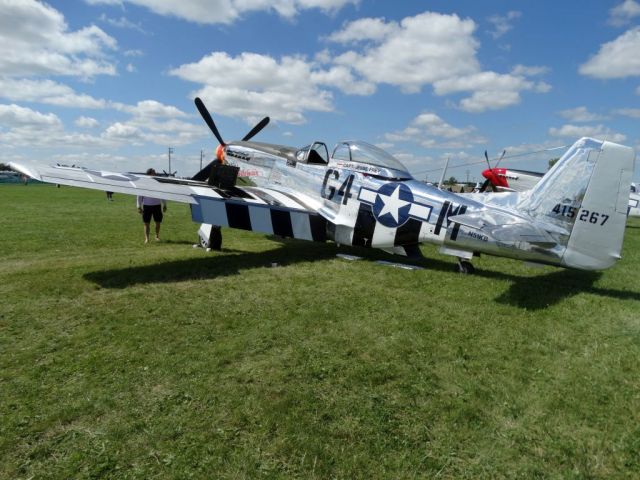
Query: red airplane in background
point(509, 179)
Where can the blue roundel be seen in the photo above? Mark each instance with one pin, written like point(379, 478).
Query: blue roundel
point(392, 205)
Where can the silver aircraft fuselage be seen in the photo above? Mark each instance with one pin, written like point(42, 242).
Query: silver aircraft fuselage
point(379, 207)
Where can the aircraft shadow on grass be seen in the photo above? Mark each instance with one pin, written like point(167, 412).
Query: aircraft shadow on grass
point(529, 292)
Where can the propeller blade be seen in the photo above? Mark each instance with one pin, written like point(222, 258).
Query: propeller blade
point(484, 186)
point(504, 152)
point(207, 119)
point(263, 123)
point(486, 156)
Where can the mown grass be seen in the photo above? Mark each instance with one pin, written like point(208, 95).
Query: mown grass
point(120, 360)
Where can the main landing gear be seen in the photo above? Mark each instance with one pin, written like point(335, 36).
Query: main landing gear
point(465, 266)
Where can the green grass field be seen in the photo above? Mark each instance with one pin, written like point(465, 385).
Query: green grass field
point(120, 360)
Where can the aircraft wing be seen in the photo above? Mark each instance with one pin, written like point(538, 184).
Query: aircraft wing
point(133, 184)
point(265, 210)
point(507, 227)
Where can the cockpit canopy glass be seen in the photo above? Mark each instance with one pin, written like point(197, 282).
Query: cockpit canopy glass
point(364, 152)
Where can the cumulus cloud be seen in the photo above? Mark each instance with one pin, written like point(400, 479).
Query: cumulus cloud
point(254, 84)
point(490, 90)
point(46, 91)
point(529, 71)
point(24, 127)
point(123, 22)
point(14, 115)
point(423, 49)
point(226, 11)
point(580, 114)
point(35, 40)
point(364, 29)
point(431, 131)
point(431, 49)
point(628, 112)
point(154, 122)
point(342, 78)
point(133, 53)
point(150, 122)
point(502, 23)
point(122, 131)
point(616, 59)
point(426, 49)
point(624, 13)
point(86, 122)
point(596, 131)
point(151, 108)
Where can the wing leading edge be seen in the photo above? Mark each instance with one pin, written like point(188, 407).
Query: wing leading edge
point(248, 208)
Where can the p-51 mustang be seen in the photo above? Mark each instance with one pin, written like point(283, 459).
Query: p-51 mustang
point(361, 195)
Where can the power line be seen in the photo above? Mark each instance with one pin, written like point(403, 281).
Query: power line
point(516, 155)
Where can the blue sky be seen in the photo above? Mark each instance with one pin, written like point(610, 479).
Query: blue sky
point(110, 83)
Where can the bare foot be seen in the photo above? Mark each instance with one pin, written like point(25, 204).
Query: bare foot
point(146, 240)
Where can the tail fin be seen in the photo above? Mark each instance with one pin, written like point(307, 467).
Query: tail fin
point(587, 193)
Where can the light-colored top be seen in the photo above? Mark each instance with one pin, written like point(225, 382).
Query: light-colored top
point(149, 201)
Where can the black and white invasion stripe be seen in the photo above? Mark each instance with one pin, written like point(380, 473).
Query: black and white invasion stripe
point(269, 212)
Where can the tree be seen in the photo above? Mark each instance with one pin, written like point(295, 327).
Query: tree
point(553, 161)
point(3, 167)
point(451, 181)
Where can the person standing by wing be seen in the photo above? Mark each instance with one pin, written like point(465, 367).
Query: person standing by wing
point(151, 207)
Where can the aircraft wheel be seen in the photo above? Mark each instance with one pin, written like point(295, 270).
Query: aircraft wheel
point(465, 267)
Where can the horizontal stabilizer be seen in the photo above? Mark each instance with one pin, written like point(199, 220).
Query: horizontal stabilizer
point(508, 227)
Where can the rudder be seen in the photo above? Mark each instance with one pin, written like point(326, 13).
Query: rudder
point(597, 235)
point(586, 194)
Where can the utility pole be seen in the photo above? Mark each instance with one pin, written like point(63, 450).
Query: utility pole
point(170, 152)
point(467, 176)
point(201, 155)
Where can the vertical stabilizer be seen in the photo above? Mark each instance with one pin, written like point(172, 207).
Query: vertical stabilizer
point(587, 193)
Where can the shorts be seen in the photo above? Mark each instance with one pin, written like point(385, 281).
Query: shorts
point(152, 210)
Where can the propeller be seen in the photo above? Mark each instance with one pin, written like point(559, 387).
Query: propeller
point(487, 182)
point(206, 116)
point(259, 126)
point(491, 174)
point(486, 157)
point(208, 120)
point(484, 186)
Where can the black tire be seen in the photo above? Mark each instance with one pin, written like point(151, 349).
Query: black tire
point(466, 267)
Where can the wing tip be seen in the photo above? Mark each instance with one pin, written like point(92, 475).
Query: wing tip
point(25, 170)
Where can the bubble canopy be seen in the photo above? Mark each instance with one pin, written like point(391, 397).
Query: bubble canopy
point(363, 152)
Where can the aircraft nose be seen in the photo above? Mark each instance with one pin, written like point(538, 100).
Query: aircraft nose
point(220, 153)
